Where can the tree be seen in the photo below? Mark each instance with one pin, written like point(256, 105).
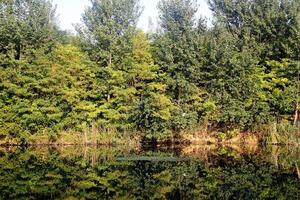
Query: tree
point(108, 25)
point(227, 75)
point(247, 35)
point(271, 25)
point(279, 83)
point(152, 108)
point(107, 35)
point(178, 52)
point(27, 29)
point(49, 95)
point(76, 87)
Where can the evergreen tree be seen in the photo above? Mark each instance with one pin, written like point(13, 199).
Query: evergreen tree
point(152, 108)
point(49, 95)
point(178, 52)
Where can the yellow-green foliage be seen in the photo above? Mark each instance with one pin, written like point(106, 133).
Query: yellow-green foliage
point(240, 74)
point(52, 93)
point(152, 109)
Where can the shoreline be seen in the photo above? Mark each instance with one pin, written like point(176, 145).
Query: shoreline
point(140, 143)
point(135, 139)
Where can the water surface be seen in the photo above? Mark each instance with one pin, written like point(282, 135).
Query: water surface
point(193, 172)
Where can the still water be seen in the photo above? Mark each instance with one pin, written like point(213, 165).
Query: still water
point(193, 172)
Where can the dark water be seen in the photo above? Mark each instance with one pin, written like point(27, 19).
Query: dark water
point(195, 172)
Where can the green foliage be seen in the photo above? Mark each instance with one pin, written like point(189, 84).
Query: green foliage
point(27, 28)
point(228, 134)
point(107, 36)
point(242, 73)
point(152, 110)
point(178, 52)
point(52, 94)
point(245, 37)
point(107, 30)
point(280, 84)
point(271, 26)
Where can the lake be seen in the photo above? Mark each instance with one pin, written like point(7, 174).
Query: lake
point(190, 172)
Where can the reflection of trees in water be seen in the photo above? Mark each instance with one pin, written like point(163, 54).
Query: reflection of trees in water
point(280, 156)
point(99, 173)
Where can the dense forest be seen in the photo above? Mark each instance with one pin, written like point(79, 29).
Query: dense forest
point(240, 74)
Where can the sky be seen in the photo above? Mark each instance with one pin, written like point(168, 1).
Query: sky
point(69, 12)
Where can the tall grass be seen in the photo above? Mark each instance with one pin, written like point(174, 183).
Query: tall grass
point(89, 136)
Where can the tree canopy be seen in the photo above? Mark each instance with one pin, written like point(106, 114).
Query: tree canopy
point(241, 73)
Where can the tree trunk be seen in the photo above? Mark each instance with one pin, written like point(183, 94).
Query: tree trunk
point(110, 60)
point(109, 65)
point(18, 52)
point(298, 171)
point(296, 116)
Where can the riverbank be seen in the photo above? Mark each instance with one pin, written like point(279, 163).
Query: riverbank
point(71, 138)
point(134, 139)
